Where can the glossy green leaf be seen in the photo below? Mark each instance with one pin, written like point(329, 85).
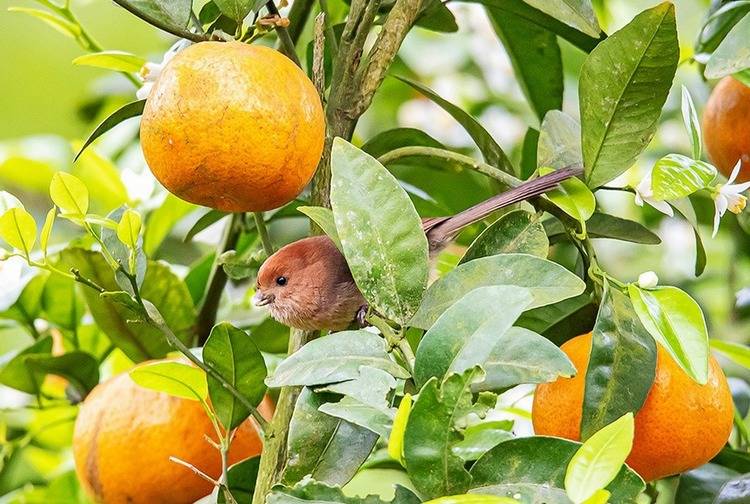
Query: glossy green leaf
point(133, 259)
point(559, 143)
point(18, 229)
point(334, 358)
point(173, 378)
point(396, 439)
point(371, 388)
point(676, 321)
point(69, 194)
point(535, 56)
point(24, 304)
point(576, 13)
point(15, 372)
point(161, 222)
point(175, 13)
point(79, 368)
point(139, 341)
point(598, 461)
point(572, 197)
point(701, 485)
point(737, 352)
point(547, 281)
point(465, 334)
point(676, 176)
point(234, 355)
point(132, 109)
point(235, 9)
point(481, 438)
point(329, 449)
point(430, 433)
point(241, 479)
point(120, 61)
point(601, 225)
point(373, 419)
point(320, 493)
point(395, 138)
point(388, 262)
point(59, 23)
point(533, 470)
point(563, 320)
point(323, 217)
point(524, 10)
point(515, 232)
point(44, 235)
point(623, 85)
point(436, 16)
point(731, 56)
point(491, 151)
point(129, 228)
point(734, 491)
point(692, 124)
point(62, 303)
point(622, 364)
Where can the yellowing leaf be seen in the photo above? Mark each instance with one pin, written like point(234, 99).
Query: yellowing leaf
point(173, 378)
point(17, 227)
point(112, 60)
point(69, 193)
point(129, 228)
point(396, 441)
point(599, 459)
point(600, 497)
point(47, 229)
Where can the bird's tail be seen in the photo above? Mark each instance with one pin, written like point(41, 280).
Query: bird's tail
point(440, 230)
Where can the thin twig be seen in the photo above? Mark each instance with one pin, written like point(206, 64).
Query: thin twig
point(195, 470)
point(265, 238)
point(285, 40)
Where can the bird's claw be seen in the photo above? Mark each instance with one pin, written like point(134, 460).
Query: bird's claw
point(361, 317)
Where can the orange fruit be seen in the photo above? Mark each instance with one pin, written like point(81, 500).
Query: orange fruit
point(726, 121)
point(233, 126)
point(125, 434)
point(680, 426)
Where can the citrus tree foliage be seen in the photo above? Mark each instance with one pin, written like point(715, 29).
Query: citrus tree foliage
point(419, 397)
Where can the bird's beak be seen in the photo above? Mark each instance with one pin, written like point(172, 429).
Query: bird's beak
point(260, 299)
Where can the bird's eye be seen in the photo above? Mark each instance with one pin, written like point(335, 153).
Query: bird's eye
point(281, 280)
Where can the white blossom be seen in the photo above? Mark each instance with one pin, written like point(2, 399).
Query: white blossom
point(728, 197)
point(648, 280)
point(151, 71)
point(644, 193)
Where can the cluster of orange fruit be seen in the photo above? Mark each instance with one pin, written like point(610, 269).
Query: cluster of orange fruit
point(238, 128)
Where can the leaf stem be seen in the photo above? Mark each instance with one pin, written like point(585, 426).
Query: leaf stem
point(285, 41)
point(265, 238)
point(179, 32)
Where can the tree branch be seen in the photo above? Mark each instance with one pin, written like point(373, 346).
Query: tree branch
point(182, 33)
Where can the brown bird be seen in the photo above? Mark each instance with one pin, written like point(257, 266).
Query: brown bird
point(308, 285)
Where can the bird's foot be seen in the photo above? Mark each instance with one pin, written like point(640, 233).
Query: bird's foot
point(361, 317)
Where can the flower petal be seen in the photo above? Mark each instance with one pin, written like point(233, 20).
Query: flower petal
point(735, 171)
point(661, 206)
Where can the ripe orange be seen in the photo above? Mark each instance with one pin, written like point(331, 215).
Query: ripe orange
point(125, 434)
point(726, 121)
point(682, 424)
point(233, 126)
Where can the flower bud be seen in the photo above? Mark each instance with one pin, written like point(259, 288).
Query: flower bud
point(648, 280)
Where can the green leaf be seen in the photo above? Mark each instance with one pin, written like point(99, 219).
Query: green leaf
point(173, 378)
point(736, 352)
point(79, 368)
point(323, 217)
point(164, 218)
point(572, 197)
point(522, 9)
point(675, 176)
point(102, 179)
point(623, 85)
point(532, 469)
point(491, 151)
point(622, 364)
point(465, 334)
point(234, 355)
point(548, 282)
point(328, 449)
point(373, 419)
point(334, 358)
point(60, 24)
point(389, 262)
point(731, 56)
point(396, 439)
point(395, 138)
point(16, 373)
point(372, 387)
point(436, 16)
point(676, 321)
point(692, 124)
point(49, 221)
point(62, 303)
point(472, 499)
point(112, 60)
point(313, 491)
point(132, 109)
point(18, 229)
point(129, 228)
point(601, 225)
point(563, 320)
point(430, 433)
point(598, 461)
point(235, 9)
point(133, 260)
point(69, 194)
point(515, 232)
point(482, 437)
point(701, 485)
point(175, 13)
point(535, 56)
point(24, 305)
point(559, 142)
point(576, 13)
point(138, 340)
point(241, 479)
